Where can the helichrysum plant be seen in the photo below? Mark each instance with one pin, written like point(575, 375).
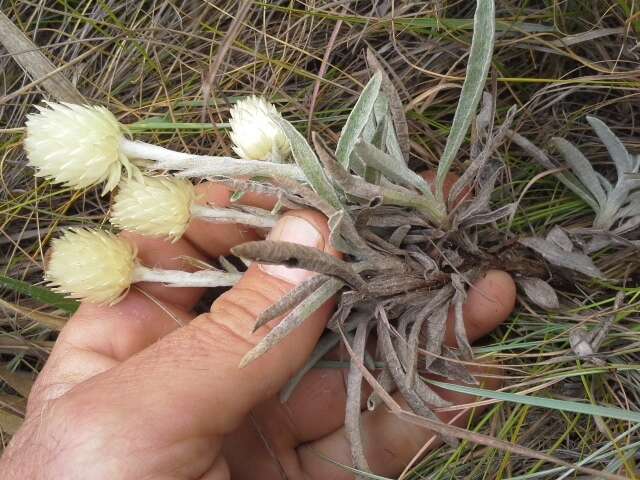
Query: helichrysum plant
point(409, 249)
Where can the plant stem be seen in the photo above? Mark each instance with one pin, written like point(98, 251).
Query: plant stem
point(229, 215)
point(179, 278)
point(148, 151)
point(206, 165)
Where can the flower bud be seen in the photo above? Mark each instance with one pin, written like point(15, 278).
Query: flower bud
point(155, 206)
point(255, 135)
point(92, 265)
point(76, 145)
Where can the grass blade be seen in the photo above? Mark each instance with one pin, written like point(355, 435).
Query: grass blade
point(484, 26)
point(562, 405)
point(40, 294)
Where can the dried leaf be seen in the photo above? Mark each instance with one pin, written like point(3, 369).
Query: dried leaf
point(345, 237)
point(352, 407)
point(9, 423)
point(558, 236)
point(396, 108)
point(294, 255)
point(561, 258)
point(395, 368)
point(398, 235)
point(290, 300)
point(459, 327)
point(386, 382)
point(35, 63)
point(49, 321)
point(293, 320)
point(490, 217)
point(540, 292)
point(18, 381)
point(447, 366)
point(492, 442)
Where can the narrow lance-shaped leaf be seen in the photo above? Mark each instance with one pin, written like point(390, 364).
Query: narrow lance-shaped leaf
point(566, 178)
point(582, 168)
point(357, 120)
point(294, 319)
point(308, 162)
point(618, 153)
point(484, 25)
point(578, 262)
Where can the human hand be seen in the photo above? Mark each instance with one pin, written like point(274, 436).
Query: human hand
point(129, 394)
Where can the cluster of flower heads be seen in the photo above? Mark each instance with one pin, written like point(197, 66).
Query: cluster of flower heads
point(81, 145)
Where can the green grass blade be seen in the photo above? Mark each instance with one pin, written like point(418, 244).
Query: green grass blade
point(480, 54)
point(309, 163)
point(358, 119)
point(563, 405)
point(40, 294)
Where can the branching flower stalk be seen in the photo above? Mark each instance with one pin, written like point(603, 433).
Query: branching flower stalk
point(82, 145)
point(164, 207)
point(100, 267)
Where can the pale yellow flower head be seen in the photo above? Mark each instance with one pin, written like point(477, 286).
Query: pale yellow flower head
point(254, 134)
point(155, 206)
point(76, 145)
point(92, 265)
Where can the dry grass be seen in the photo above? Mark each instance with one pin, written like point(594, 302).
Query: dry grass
point(152, 63)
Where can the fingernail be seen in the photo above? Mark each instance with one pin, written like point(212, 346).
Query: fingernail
point(295, 230)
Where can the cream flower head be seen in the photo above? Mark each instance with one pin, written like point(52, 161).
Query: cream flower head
point(255, 135)
point(156, 206)
point(76, 145)
point(92, 265)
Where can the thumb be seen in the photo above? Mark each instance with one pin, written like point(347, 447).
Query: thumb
point(195, 369)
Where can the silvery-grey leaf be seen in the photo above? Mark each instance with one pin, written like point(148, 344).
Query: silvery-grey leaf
point(540, 292)
point(617, 151)
point(558, 236)
point(308, 162)
point(567, 179)
point(480, 54)
point(483, 119)
point(391, 168)
point(557, 256)
point(357, 120)
point(606, 184)
point(582, 168)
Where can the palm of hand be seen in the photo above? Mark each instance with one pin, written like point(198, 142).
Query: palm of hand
point(126, 394)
